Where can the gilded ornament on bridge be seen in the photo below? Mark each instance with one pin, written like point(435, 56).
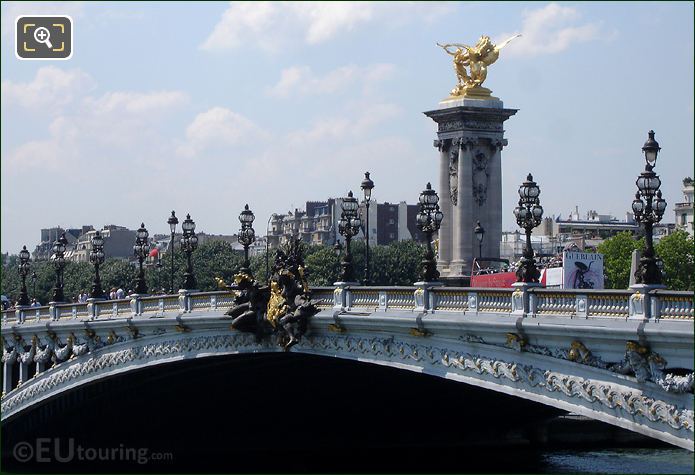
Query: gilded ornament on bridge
point(284, 306)
point(471, 63)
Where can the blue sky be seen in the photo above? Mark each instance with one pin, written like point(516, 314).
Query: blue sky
point(203, 107)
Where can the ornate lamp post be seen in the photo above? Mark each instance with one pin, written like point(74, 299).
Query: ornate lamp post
point(172, 222)
point(528, 214)
point(58, 258)
point(189, 242)
point(159, 271)
point(367, 186)
point(348, 225)
point(267, 249)
point(479, 232)
point(141, 249)
point(24, 267)
point(429, 218)
point(247, 236)
point(649, 208)
point(96, 257)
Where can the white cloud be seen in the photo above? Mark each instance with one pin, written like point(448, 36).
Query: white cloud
point(301, 79)
point(218, 127)
point(349, 126)
point(84, 129)
point(273, 25)
point(50, 90)
point(550, 29)
point(324, 20)
point(136, 102)
point(244, 20)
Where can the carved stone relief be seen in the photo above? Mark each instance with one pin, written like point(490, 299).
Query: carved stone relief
point(481, 177)
point(454, 172)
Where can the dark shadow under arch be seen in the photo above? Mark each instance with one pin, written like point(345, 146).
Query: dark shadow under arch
point(281, 412)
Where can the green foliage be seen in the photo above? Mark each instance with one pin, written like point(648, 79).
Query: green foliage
point(322, 266)
point(676, 251)
point(617, 257)
point(396, 264)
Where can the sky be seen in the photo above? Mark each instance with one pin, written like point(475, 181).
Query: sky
point(204, 107)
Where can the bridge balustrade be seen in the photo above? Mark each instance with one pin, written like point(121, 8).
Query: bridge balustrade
point(671, 304)
point(659, 304)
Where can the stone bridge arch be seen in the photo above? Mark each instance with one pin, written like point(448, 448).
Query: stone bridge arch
point(562, 384)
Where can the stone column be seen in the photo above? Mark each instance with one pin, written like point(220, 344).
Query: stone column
point(445, 204)
point(7, 377)
point(475, 128)
point(463, 245)
point(23, 371)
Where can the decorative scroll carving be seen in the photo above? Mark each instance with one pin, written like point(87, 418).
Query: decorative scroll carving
point(481, 177)
point(480, 125)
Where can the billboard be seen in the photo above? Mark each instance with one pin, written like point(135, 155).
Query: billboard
point(582, 270)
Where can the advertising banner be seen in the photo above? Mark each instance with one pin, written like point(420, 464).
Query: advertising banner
point(582, 270)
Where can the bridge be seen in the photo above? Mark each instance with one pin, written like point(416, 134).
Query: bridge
point(617, 356)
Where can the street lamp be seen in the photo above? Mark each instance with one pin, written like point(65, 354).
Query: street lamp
point(528, 214)
point(58, 258)
point(189, 243)
point(159, 272)
point(267, 243)
point(367, 186)
point(348, 225)
point(648, 207)
point(141, 249)
point(96, 257)
point(24, 267)
point(479, 234)
point(172, 221)
point(429, 218)
point(246, 237)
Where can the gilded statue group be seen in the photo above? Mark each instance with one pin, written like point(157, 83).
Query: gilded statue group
point(283, 306)
point(471, 63)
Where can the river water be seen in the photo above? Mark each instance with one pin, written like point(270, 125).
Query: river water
point(624, 460)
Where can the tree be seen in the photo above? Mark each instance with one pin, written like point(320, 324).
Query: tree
point(676, 251)
point(617, 258)
point(322, 266)
point(397, 264)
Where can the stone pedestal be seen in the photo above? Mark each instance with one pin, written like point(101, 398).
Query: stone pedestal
point(521, 300)
point(640, 303)
point(470, 138)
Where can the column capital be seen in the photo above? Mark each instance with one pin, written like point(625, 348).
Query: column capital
point(442, 144)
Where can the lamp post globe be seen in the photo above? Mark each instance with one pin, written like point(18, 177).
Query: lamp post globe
point(24, 268)
point(172, 222)
point(648, 208)
point(246, 237)
point(529, 214)
point(428, 220)
point(189, 243)
point(96, 257)
point(479, 232)
point(367, 185)
point(141, 250)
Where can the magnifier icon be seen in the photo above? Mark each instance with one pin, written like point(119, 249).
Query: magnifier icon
point(42, 35)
